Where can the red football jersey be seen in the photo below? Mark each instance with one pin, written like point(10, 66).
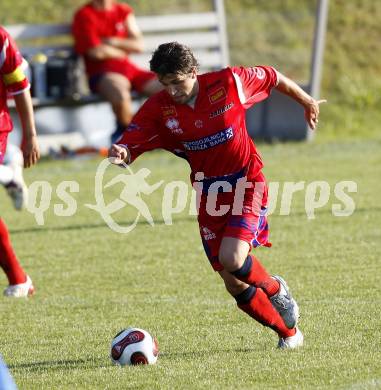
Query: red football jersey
point(91, 25)
point(12, 77)
point(213, 134)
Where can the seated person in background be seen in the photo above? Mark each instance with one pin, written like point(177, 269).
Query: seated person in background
point(105, 33)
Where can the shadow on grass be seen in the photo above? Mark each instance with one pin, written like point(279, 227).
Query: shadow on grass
point(101, 363)
point(100, 225)
point(58, 365)
point(317, 212)
point(207, 353)
point(43, 229)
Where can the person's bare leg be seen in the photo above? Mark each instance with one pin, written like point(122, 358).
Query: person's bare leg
point(116, 89)
point(151, 87)
point(250, 298)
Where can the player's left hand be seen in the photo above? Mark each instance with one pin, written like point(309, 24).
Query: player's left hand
point(311, 112)
point(30, 150)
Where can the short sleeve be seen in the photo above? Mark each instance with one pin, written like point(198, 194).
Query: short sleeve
point(254, 84)
point(84, 31)
point(12, 65)
point(124, 10)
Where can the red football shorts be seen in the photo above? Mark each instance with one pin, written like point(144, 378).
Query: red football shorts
point(137, 76)
point(246, 220)
point(3, 144)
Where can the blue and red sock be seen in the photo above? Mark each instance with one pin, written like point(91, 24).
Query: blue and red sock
point(252, 272)
point(254, 302)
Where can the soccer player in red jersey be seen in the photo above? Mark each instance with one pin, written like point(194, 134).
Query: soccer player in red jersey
point(202, 118)
point(13, 82)
point(105, 33)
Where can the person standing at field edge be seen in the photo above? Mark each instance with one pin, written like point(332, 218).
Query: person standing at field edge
point(14, 83)
point(202, 118)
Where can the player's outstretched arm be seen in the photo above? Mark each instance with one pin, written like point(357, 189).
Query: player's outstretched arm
point(119, 154)
point(311, 105)
point(29, 144)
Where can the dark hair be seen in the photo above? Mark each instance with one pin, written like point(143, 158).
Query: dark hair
point(173, 57)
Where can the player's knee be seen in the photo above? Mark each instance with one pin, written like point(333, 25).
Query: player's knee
point(233, 253)
point(115, 89)
point(120, 97)
point(230, 258)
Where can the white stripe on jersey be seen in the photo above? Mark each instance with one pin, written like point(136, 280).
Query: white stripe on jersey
point(241, 93)
point(3, 53)
point(277, 77)
point(19, 91)
point(238, 83)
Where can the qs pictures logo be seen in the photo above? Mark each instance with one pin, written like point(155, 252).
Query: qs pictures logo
point(135, 184)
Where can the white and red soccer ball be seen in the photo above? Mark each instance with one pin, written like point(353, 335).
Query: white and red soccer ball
point(134, 346)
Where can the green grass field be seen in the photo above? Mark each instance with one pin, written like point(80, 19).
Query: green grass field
point(91, 282)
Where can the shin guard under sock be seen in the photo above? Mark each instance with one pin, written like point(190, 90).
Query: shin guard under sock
point(252, 272)
point(257, 305)
point(8, 259)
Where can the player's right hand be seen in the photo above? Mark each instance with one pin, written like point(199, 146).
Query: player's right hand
point(30, 150)
point(118, 154)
